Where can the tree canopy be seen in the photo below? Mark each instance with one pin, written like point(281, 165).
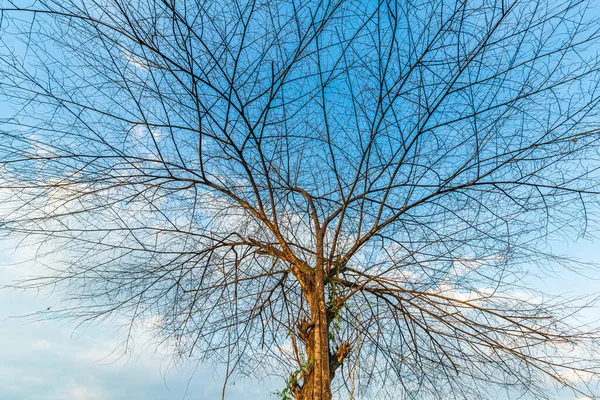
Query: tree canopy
point(352, 192)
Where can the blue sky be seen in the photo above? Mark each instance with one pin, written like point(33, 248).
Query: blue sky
point(56, 360)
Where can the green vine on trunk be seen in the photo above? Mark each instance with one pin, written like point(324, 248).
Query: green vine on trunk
point(293, 383)
point(334, 308)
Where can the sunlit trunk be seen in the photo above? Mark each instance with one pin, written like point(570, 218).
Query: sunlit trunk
point(317, 374)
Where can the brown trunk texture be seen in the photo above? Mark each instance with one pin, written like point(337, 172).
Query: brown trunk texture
point(317, 376)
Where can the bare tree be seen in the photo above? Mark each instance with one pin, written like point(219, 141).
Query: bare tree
point(352, 192)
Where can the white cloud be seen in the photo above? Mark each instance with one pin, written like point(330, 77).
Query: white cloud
point(574, 377)
point(75, 390)
point(103, 353)
point(463, 266)
point(83, 393)
point(140, 131)
point(136, 61)
point(41, 345)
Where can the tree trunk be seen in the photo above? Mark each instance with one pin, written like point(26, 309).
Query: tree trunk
point(318, 371)
point(315, 334)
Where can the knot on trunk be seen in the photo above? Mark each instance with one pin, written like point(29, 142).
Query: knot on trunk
point(304, 328)
point(342, 352)
point(336, 359)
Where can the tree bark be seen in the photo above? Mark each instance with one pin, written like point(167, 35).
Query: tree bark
point(315, 334)
point(317, 375)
